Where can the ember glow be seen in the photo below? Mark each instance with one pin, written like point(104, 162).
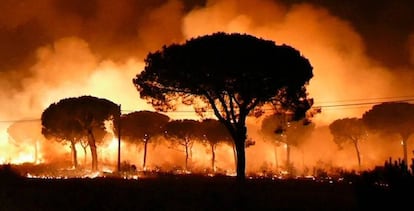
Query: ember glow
point(97, 54)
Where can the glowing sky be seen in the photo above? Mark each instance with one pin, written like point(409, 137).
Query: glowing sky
point(52, 49)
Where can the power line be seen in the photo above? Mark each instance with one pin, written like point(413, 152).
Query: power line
point(382, 99)
point(339, 104)
point(364, 103)
point(19, 120)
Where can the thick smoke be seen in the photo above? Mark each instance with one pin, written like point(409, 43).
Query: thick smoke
point(54, 49)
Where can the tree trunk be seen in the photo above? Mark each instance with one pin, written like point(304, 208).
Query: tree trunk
point(74, 154)
point(190, 150)
point(213, 158)
point(241, 158)
point(145, 154)
point(276, 160)
point(288, 166)
point(303, 160)
point(36, 150)
point(85, 153)
point(404, 144)
point(239, 135)
point(358, 154)
point(94, 154)
point(235, 156)
point(186, 157)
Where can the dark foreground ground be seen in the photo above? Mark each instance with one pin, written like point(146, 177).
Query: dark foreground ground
point(171, 192)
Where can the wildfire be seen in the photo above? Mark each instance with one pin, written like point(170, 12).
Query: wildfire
point(81, 61)
point(10, 153)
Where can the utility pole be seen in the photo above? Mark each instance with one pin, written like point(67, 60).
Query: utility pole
point(119, 139)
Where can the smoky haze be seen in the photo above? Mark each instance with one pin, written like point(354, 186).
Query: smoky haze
point(53, 49)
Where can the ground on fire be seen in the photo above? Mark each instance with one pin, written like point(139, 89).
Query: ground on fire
point(196, 192)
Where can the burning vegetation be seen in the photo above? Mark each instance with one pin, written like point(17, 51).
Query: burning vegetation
point(87, 59)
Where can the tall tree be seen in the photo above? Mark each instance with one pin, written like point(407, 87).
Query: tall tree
point(183, 133)
point(348, 130)
point(232, 74)
point(26, 132)
point(80, 116)
point(392, 117)
point(271, 130)
point(84, 144)
point(281, 128)
point(296, 134)
point(58, 125)
point(214, 133)
point(141, 126)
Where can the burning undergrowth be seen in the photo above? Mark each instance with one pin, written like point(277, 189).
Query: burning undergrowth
point(61, 171)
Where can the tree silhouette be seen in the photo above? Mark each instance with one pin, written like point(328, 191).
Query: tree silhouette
point(348, 130)
point(281, 128)
point(392, 117)
point(214, 133)
point(297, 133)
point(141, 126)
point(183, 133)
point(271, 130)
point(232, 74)
point(27, 132)
point(58, 125)
point(84, 144)
point(79, 117)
